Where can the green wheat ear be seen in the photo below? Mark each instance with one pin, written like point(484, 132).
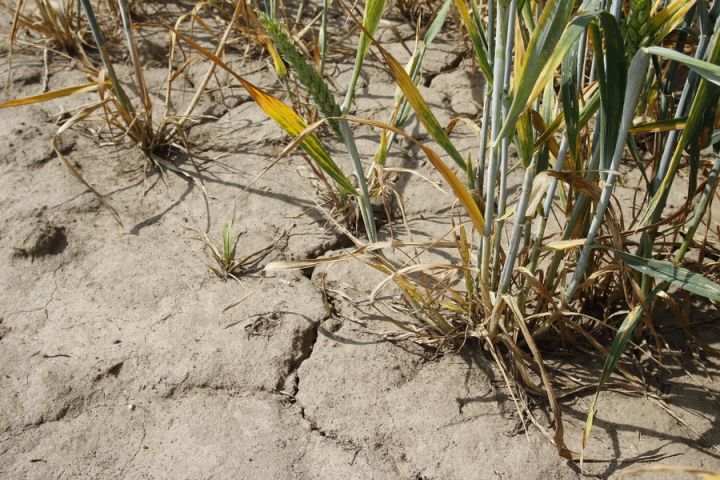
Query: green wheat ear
point(306, 75)
point(637, 25)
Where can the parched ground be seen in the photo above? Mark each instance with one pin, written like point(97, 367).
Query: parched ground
point(118, 359)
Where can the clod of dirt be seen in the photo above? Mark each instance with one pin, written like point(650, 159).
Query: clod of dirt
point(113, 372)
point(461, 89)
point(214, 111)
point(40, 239)
point(3, 329)
point(25, 72)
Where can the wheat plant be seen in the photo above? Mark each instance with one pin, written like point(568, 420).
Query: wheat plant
point(571, 89)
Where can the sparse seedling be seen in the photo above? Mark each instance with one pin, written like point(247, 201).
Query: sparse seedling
point(227, 265)
point(130, 112)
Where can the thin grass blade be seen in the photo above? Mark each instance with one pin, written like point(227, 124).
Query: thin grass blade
point(622, 337)
point(674, 275)
point(421, 108)
point(371, 20)
point(54, 94)
point(707, 70)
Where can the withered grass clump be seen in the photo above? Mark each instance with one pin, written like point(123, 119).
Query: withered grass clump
point(57, 23)
point(130, 111)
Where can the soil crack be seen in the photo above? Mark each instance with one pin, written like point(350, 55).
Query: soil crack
point(314, 427)
point(137, 452)
point(43, 308)
point(304, 344)
point(450, 66)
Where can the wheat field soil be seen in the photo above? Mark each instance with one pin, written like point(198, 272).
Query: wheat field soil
point(120, 359)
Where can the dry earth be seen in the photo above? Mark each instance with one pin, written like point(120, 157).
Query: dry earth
point(117, 359)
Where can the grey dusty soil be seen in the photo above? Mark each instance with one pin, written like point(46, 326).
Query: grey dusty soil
point(118, 360)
